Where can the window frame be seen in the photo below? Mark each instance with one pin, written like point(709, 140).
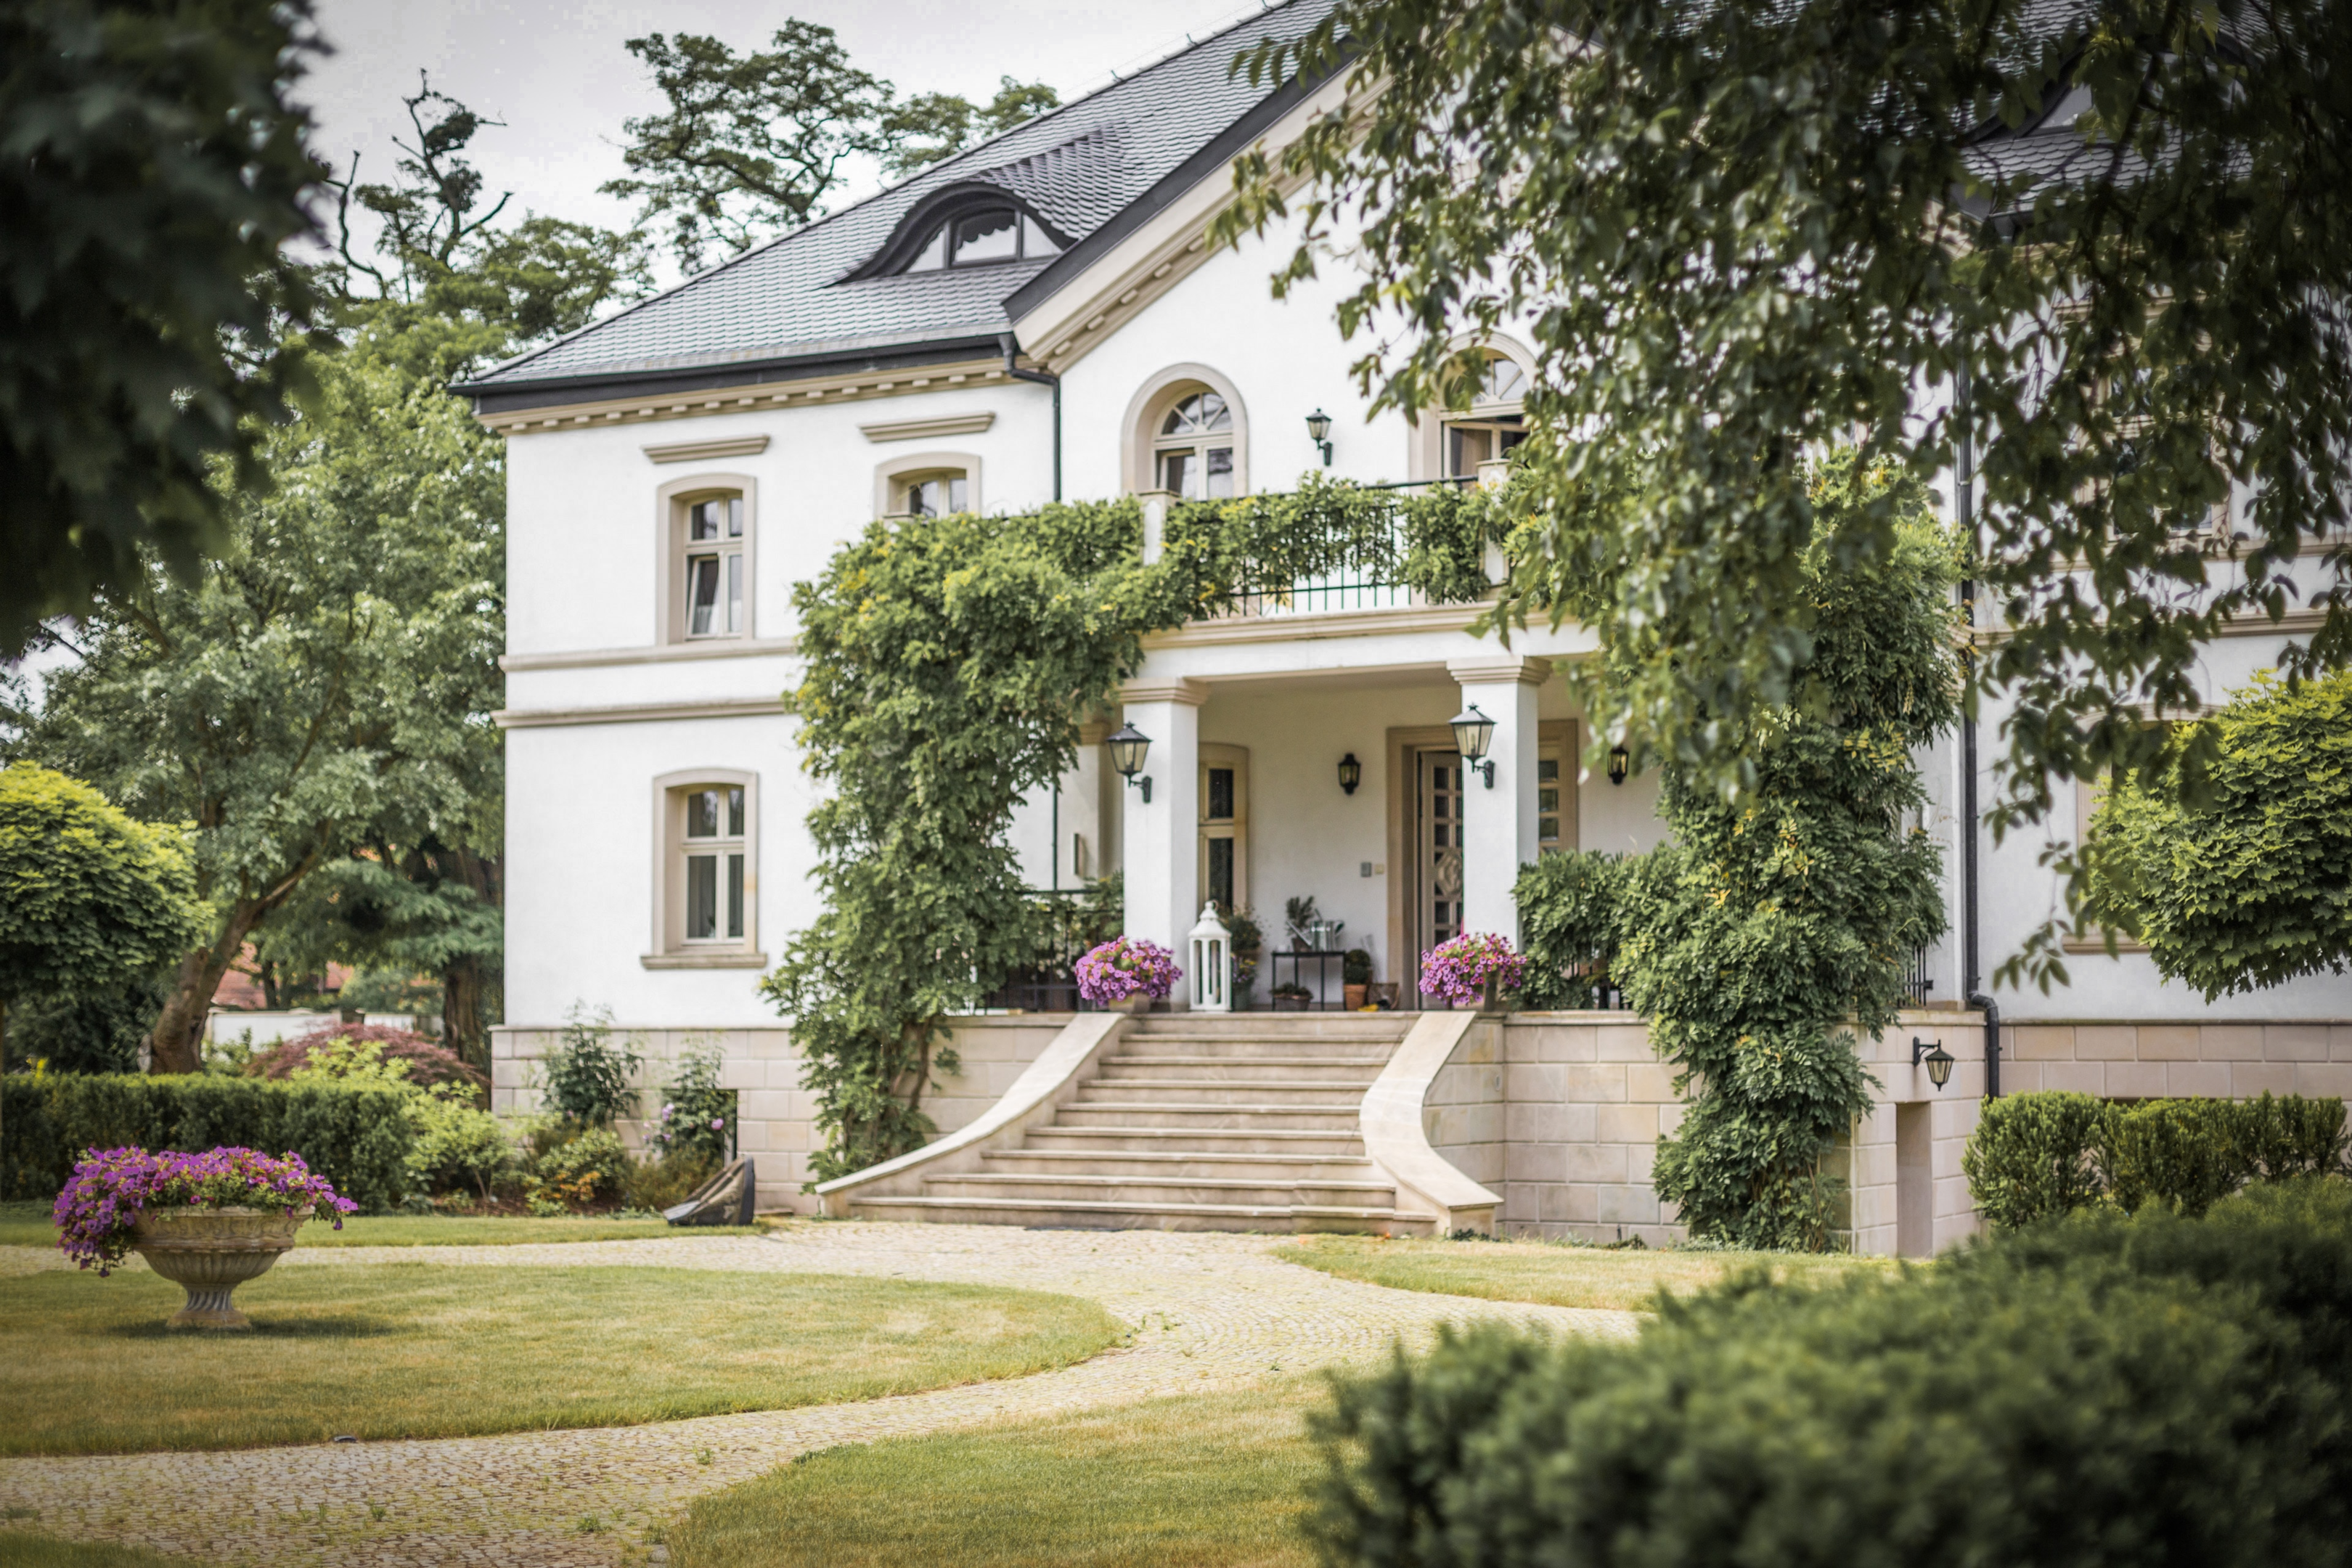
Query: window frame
point(1151, 405)
point(891, 479)
point(673, 502)
point(1430, 455)
point(671, 948)
point(941, 234)
point(1196, 445)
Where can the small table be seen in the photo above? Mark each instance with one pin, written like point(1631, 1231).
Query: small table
point(1327, 968)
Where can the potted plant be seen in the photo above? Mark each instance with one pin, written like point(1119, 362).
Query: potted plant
point(207, 1222)
point(1356, 977)
point(1292, 997)
point(1249, 946)
point(1476, 966)
point(1127, 974)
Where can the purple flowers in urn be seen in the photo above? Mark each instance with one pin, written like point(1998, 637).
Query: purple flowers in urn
point(1126, 966)
point(1461, 968)
point(95, 1212)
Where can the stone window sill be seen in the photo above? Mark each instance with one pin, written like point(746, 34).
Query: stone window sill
point(729, 958)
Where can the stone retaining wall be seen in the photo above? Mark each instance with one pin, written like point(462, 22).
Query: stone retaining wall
point(775, 1115)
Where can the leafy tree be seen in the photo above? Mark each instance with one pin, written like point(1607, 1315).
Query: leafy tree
point(931, 126)
point(1734, 230)
point(89, 896)
point(1777, 921)
point(2253, 886)
point(154, 171)
point(439, 288)
point(752, 144)
point(323, 686)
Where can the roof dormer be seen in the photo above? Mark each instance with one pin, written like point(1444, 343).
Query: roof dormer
point(963, 226)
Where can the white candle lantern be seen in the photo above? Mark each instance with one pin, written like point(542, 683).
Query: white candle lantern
point(1212, 963)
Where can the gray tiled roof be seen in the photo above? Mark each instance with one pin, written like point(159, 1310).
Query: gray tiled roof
point(1078, 167)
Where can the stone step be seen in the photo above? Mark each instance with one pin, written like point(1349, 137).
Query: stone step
point(1390, 1026)
point(1112, 1214)
point(1134, 1113)
point(1239, 1068)
point(1157, 1191)
point(1151, 1163)
point(1322, 1142)
point(1353, 1053)
point(1278, 1094)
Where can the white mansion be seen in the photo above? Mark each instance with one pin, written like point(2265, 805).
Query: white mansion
point(1039, 317)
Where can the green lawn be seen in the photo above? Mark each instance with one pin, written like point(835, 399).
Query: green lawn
point(1216, 1482)
point(425, 1350)
point(1551, 1274)
point(19, 1550)
point(28, 1225)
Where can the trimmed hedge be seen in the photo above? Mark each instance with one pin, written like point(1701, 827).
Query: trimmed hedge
point(2035, 1156)
point(2147, 1391)
point(355, 1135)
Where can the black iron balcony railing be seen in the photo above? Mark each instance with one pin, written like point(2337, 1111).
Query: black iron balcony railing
point(1336, 547)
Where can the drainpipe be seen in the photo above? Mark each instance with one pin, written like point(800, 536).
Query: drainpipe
point(1964, 505)
point(1012, 353)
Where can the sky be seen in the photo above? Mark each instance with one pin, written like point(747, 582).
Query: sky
point(558, 76)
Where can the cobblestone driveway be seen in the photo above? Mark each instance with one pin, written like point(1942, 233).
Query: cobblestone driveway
point(1208, 1311)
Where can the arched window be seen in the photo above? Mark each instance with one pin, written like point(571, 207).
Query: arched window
point(1192, 455)
point(984, 238)
point(1492, 424)
point(705, 577)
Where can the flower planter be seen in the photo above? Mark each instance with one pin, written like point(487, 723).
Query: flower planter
point(1137, 1003)
point(209, 1252)
point(1292, 1003)
point(1354, 995)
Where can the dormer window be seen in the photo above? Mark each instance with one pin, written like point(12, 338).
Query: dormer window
point(984, 238)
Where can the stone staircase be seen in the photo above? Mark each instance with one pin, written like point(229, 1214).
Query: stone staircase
point(1194, 1122)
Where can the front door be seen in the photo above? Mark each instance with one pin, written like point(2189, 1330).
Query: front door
point(1438, 834)
point(1224, 825)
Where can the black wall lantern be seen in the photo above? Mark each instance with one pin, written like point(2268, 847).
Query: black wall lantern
point(1128, 745)
point(1620, 760)
point(1351, 774)
point(1939, 1059)
point(1318, 430)
point(1473, 733)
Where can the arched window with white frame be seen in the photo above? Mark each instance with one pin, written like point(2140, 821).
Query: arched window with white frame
point(1494, 422)
point(708, 546)
point(1193, 454)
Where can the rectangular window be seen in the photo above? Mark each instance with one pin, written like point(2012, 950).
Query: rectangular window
point(715, 585)
point(1220, 794)
point(1547, 803)
point(1220, 473)
point(1177, 473)
point(1221, 872)
point(715, 869)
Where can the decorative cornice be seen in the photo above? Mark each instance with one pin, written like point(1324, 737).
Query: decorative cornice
point(698, 451)
point(635, 714)
point(928, 429)
point(1489, 669)
point(839, 388)
point(2253, 624)
point(671, 653)
point(1183, 689)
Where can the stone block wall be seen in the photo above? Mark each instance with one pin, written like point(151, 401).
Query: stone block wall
point(2169, 1060)
point(775, 1116)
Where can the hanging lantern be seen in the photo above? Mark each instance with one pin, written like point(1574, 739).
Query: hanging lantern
point(1127, 744)
point(1351, 774)
point(1932, 1055)
point(1620, 760)
point(1473, 733)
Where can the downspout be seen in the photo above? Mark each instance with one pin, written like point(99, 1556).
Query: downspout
point(1964, 505)
point(1011, 347)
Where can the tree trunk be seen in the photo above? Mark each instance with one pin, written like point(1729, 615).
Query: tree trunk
point(176, 1043)
point(266, 973)
point(462, 1028)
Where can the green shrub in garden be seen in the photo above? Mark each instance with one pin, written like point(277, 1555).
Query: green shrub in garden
point(355, 1134)
point(586, 1172)
point(2036, 1156)
point(696, 1116)
point(586, 1077)
point(2147, 1390)
point(2030, 1157)
point(1569, 913)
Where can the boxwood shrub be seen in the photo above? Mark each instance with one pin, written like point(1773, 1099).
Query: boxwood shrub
point(2036, 1156)
point(353, 1134)
point(2108, 1390)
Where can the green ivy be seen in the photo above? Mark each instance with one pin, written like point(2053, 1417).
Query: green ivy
point(1781, 918)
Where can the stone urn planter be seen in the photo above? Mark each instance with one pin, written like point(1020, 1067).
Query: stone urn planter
point(209, 1252)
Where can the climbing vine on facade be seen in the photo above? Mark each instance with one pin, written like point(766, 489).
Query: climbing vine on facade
point(950, 663)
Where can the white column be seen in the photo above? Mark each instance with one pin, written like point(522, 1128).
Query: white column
point(1498, 825)
point(1162, 836)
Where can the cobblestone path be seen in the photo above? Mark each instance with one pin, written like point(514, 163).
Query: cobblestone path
point(1206, 1312)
